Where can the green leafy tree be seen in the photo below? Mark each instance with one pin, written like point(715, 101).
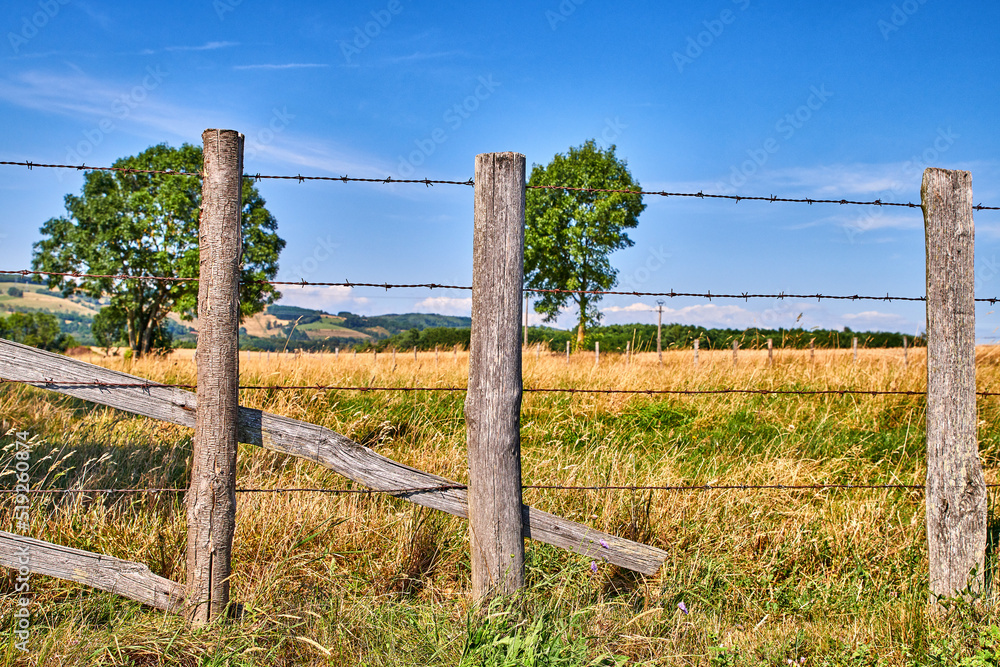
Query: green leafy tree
point(147, 224)
point(108, 328)
point(39, 330)
point(569, 234)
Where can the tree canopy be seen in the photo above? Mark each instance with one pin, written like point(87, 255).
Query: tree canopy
point(570, 234)
point(135, 224)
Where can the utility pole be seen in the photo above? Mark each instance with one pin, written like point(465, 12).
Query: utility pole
point(659, 327)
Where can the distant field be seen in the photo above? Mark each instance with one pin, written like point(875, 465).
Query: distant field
point(837, 577)
point(34, 300)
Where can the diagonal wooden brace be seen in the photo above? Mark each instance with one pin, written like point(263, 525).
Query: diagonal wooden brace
point(309, 441)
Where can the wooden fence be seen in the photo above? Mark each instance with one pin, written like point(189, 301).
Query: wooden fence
point(498, 520)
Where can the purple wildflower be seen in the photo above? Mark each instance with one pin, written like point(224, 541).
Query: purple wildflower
point(605, 544)
point(593, 566)
point(682, 607)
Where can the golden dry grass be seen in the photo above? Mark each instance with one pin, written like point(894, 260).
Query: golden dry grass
point(767, 575)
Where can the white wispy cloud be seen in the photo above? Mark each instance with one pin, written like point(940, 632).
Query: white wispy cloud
point(207, 46)
point(328, 299)
point(88, 100)
point(419, 56)
point(445, 305)
point(282, 66)
point(76, 95)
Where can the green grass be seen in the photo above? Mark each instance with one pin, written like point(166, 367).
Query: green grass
point(837, 577)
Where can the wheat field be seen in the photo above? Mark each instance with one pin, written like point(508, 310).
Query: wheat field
point(814, 576)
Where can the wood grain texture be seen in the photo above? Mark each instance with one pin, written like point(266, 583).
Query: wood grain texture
point(493, 400)
point(315, 443)
point(211, 499)
point(131, 580)
point(956, 490)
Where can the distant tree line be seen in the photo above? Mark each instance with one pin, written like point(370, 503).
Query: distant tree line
point(643, 337)
point(681, 336)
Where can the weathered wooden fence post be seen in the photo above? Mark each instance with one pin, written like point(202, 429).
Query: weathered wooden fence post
point(956, 491)
point(567, 353)
point(211, 500)
point(812, 350)
point(854, 347)
point(696, 351)
point(597, 352)
point(493, 400)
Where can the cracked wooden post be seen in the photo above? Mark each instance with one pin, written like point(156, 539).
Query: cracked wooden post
point(956, 491)
point(211, 500)
point(493, 401)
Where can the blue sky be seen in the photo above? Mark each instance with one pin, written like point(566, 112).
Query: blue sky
point(841, 100)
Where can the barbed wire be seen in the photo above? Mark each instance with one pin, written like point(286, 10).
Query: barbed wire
point(549, 390)
point(387, 286)
point(541, 487)
point(423, 489)
point(470, 182)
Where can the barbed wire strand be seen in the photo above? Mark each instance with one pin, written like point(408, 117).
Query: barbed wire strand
point(470, 182)
point(387, 286)
point(541, 487)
